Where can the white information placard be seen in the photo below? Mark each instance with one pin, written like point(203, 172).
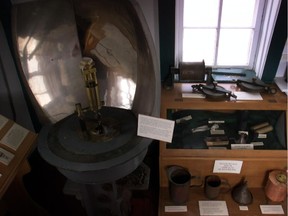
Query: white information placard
point(248, 95)
point(272, 209)
point(14, 137)
point(227, 166)
point(193, 95)
point(242, 146)
point(5, 156)
point(155, 128)
point(175, 208)
point(257, 143)
point(3, 121)
point(243, 208)
point(218, 208)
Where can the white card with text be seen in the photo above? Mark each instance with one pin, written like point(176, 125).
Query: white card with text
point(227, 166)
point(208, 208)
point(155, 128)
point(14, 136)
point(175, 208)
point(272, 209)
point(5, 156)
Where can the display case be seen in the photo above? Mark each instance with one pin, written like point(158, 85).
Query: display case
point(191, 147)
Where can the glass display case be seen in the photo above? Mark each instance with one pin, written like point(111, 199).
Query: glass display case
point(206, 131)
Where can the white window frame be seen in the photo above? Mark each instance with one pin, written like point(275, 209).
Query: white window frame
point(281, 73)
point(263, 35)
point(269, 20)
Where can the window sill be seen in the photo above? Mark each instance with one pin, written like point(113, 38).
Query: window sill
point(282, 84)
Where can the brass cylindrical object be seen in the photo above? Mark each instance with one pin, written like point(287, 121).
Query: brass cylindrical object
point(91, 83)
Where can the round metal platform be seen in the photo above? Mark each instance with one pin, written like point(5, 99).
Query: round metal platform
point(89, 161)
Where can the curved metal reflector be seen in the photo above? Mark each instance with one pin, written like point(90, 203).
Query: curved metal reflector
point(51, 38)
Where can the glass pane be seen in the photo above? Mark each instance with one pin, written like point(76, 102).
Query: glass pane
point(202, 13)
point(234, 47)
point(238, 13)
point(199, 44)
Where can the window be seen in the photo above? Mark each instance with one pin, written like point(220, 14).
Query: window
point(223, 33)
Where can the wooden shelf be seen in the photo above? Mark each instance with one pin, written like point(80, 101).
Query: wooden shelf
point(197, 194)
point(173, 99)
point(256, 163)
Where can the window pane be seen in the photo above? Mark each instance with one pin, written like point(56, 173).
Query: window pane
point(199, 44)
point(234, 47)
point(238, 13)
point(202, 13)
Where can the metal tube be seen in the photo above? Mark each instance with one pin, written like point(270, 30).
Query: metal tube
point(91, 83)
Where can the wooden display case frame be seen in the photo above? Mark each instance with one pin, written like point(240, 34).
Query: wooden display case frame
point(256, 163)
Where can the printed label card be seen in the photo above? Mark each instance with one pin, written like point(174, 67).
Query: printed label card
point(227, 166)
point(5, 156)
point(208, 208)
point(14, 137)
point(272, 209)
point(155, 128)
